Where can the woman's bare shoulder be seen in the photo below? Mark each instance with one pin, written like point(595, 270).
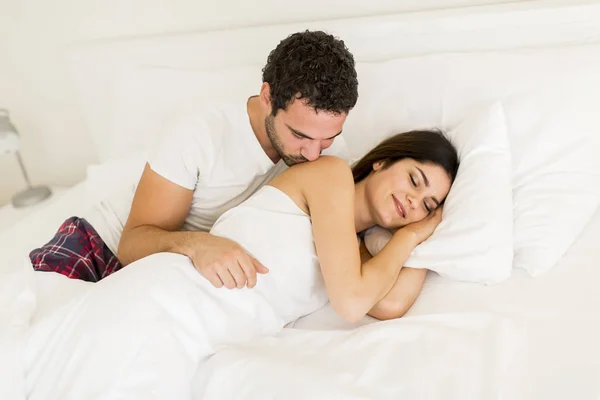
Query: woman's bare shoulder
point(326, 169)
point(301, 182)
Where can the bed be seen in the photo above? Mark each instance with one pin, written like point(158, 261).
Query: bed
point(541, 340)
point(558, 311)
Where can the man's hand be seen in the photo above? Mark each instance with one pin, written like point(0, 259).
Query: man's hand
point(158, 213)
point(224, 263)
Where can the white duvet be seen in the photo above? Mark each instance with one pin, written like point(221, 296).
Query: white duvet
point(155, 336)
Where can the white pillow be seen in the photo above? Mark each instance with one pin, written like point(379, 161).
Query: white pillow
point(115, 176)
point(147, 98)
point(474, 240)
point(555, 141)
point(144, 99)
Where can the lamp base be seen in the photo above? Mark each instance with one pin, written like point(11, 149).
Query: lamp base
point(31, 196)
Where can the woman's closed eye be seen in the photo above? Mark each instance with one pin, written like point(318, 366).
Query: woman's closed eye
point(427, 208)
point(413, 180)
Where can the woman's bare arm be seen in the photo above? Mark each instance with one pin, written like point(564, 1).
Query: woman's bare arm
point(403, 295)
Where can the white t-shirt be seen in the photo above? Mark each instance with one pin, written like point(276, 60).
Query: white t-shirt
point(216, 154)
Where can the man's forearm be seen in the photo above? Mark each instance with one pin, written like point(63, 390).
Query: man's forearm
point(145, 240)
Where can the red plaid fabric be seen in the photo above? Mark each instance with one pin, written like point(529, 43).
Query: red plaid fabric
point(76, 251)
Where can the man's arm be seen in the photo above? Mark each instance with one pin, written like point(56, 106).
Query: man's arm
point(157, 215)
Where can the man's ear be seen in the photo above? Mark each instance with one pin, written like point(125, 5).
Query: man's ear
point(265, 96)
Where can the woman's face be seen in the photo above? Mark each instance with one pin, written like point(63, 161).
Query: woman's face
point(405, 192)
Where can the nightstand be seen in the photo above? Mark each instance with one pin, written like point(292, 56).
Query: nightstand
point(10, 216)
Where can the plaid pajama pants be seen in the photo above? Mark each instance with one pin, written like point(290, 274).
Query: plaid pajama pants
point(76, 251)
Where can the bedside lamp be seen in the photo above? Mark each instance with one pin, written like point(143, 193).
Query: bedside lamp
point(9, 144)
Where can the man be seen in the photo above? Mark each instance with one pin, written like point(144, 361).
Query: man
point(210, 162)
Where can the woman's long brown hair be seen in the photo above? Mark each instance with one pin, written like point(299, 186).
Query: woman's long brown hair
point(426, 146)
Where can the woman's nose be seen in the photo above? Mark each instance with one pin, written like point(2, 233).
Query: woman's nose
point(413, 201)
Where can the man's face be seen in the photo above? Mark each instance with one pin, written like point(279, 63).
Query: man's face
point(300, 133)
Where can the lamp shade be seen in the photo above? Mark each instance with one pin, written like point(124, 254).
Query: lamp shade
point(9, 137)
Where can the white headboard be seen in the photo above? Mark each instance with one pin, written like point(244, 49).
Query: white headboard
point(518, 25)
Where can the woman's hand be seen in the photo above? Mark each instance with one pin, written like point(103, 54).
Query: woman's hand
point(425, 228)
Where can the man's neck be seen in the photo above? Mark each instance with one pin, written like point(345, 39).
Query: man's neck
point(257, 122)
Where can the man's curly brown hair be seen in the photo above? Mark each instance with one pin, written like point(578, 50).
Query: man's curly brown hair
point(313, 66)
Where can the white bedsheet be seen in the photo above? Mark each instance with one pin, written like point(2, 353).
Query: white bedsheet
point(561, 357)
point(448, 356)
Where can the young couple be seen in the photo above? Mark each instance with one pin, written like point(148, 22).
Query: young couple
point(217, 189)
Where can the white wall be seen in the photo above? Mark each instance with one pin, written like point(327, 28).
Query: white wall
point(35, 87)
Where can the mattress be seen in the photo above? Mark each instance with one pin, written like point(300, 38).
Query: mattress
point(558, 310)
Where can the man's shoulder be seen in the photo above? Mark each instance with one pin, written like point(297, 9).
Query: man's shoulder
point(192, 142)
point(207, 129)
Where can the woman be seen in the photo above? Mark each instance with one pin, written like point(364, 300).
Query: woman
point(155, 320)
point(401, 183)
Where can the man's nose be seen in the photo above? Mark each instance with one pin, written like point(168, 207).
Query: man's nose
point(312, 151)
